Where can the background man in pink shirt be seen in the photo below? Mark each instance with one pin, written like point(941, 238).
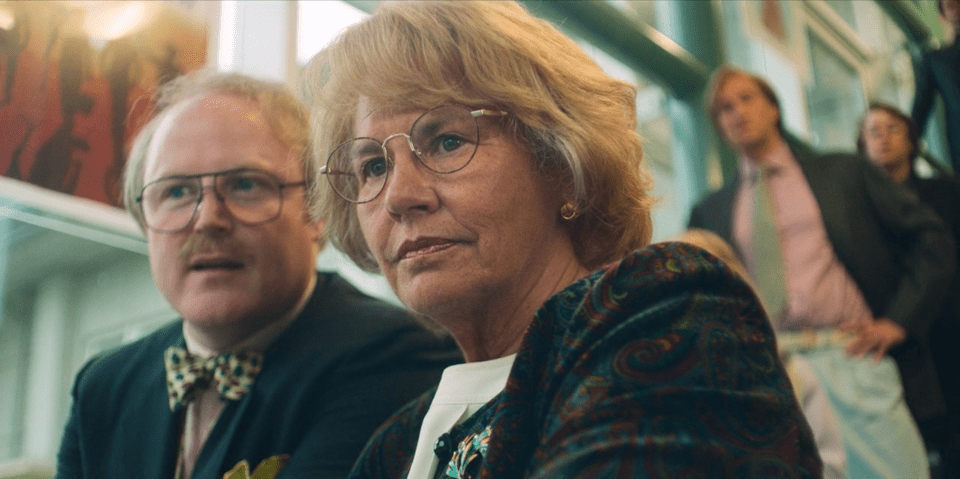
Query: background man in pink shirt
point(863, 267)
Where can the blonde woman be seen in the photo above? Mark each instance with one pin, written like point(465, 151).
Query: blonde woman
point(489, 169)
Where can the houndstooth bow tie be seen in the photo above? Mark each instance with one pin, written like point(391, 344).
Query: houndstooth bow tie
point(188, 375)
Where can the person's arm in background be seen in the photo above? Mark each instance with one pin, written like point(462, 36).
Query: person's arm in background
point(924, 94)
point(927, 258)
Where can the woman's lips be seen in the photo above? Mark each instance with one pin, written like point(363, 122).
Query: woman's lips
point(422, 246)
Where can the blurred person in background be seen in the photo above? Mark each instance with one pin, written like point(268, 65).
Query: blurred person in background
point(937, 73)
point(849, 268)
point(891, 140)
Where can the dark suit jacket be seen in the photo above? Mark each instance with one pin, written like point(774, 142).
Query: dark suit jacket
point(943, 195)
point(342, 367)
point(939, 71)
point(660, 365)
point(897, 251)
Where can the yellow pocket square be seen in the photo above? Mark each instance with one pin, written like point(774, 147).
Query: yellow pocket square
point(268, 469)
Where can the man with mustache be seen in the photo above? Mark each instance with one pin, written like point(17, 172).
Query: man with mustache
point(850, 268)
point(274, 366)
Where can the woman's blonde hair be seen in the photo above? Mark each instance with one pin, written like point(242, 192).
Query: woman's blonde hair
point(578, 122)
point(717, 246)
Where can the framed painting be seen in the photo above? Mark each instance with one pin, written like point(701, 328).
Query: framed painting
point(76, 80)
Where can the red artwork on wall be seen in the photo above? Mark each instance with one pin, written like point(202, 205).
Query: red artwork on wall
point(75, 86)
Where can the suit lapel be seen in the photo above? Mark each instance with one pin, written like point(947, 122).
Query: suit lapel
point(155, 449)
point(727, 196)
point(213, 459)
point(157, 446)
point(221, 452)
point(827, 191)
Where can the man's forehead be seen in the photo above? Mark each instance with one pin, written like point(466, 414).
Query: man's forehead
point(881, 115)
point(202, 108)
point(168, 121)
point(738, 81)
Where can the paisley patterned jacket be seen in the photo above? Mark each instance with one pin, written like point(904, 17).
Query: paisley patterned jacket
point(660, 365)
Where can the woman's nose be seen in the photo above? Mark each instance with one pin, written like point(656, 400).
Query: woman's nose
point(410, 185)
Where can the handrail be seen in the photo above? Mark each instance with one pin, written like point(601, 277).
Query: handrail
point(631, 41)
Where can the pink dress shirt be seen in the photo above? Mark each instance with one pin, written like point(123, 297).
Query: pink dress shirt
point(821, 293)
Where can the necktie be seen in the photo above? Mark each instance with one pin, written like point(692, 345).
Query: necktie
point(189, 375)
point(767, 256)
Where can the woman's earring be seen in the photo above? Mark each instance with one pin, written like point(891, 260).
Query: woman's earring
point(569, 211)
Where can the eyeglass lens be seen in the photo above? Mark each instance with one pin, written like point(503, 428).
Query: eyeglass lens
point(879, 131)
point(251, 196)
point(444, 139)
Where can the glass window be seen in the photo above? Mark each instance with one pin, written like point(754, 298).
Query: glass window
point(646, 10)
point(890, 67)
point(834, 99)
point(318, 22)
point(13, 359)
point(656, 128)
point(845, 9)
point(654, 125)
point(70, 270)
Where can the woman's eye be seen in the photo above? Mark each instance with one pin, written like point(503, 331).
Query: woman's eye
point(449, 143)
point(374, 168)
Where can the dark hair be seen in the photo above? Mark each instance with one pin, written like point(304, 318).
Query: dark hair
point(720, 77)
point(913, 133)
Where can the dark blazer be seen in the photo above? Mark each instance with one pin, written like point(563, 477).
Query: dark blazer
point(660, 365)
point(897, 251)
point(943, 195)
point(939, 71)
point(342, 367)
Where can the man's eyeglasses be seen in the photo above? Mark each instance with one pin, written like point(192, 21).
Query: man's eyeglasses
point(881, 131)
point(251, 196)
point(444, 139)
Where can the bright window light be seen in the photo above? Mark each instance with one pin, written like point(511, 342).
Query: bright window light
point(226, 49)
point(319, 22)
